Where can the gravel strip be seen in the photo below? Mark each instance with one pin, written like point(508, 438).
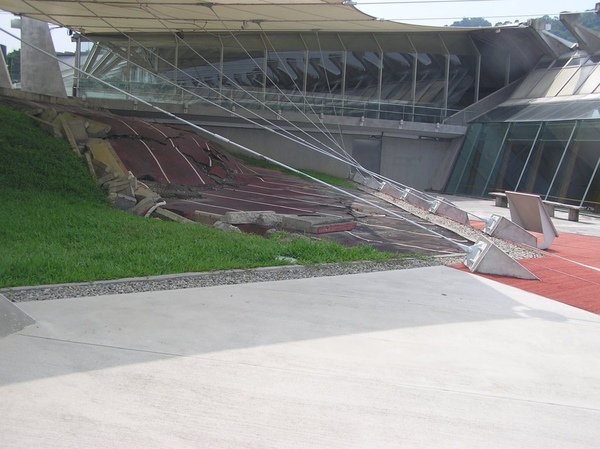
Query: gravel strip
point(515, 251)
point(210, 279)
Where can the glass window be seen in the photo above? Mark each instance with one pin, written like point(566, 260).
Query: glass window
point(524, 89)
point(484, 157)
point(519, 143)
point(545, 158)
point(591, 83)
point(578, 169)
point(576, 80)
point(455, 183)
point(560, 79)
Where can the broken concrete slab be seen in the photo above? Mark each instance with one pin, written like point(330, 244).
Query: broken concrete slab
point(222, 226)
point(206, 218)
point(68, 134)
point(100, 168)
point(147, 205)
point(125, 185)
point(167, 215)
point(244, 217)
point(317, 224)
point(121, 201)
point(105, 153)
point(96, 129)
point(269, 220)
point(48, 127)
point(48, 115)
point(143, 192)
point(106, 178)
point(75, 123)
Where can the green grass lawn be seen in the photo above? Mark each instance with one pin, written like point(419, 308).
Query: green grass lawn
point(56, 226)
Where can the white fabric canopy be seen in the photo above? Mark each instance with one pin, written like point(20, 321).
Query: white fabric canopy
point(152, 16)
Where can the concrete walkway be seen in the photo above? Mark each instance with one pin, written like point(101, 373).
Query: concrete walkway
point(422, 358)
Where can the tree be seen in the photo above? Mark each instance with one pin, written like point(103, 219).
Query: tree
point(13, 62)
point(473, 22)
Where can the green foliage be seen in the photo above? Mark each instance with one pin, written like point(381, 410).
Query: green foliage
point(13, 62)
point(56, 226)
point(31, 160)
point(473, 22)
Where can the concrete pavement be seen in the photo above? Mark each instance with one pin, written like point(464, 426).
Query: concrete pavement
point(429, 357)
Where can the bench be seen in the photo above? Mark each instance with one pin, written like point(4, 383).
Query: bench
point(500, 200)
point(572, 210)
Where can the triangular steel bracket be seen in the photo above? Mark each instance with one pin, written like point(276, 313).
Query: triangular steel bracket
point(485, 257)
point(502, 227)
point(441, 207)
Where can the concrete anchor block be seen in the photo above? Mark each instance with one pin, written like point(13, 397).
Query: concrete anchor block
point(359, 178)
point(367, 181)
point(167, 215)
point(412, 197)
point(502, 227)
point(391, 190)
point(485, 257)
point(206, 218)
point(440, 207)
point(226, 227)
point(372, 183)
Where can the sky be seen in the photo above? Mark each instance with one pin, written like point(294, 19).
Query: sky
point(421, 12)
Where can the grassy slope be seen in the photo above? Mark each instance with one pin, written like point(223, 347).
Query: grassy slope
point(55, 225)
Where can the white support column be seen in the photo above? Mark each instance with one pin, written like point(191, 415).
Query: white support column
point(5, 81)
point(39, 73)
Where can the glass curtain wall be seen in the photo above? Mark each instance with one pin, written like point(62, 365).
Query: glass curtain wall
point(556, 160)
point(384, 76)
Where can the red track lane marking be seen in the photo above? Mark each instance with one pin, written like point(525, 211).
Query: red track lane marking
point(127, 125)
point(290, 190)
point(260, 202)
point(180, 153)
point(591, 267)
point(156, 129)
point(188, 161)
point(295, 199)
point(200, 146)
point(565, 273)
point(210, 205)
point(157, 163)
